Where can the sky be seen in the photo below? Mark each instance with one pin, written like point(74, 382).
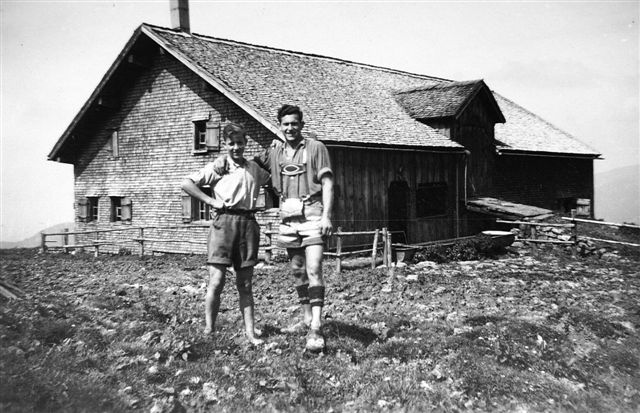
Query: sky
point(573, 63)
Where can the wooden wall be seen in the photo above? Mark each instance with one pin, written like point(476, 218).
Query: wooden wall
point(156, 132)
point(474, 129)
point(542, 181)
point(363, 178)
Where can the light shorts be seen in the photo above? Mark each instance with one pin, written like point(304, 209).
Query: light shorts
point(233, 240)
point(304, 231)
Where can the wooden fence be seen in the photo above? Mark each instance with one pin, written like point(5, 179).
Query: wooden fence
point(140, 235)
point(573, 227)
point(381, 239)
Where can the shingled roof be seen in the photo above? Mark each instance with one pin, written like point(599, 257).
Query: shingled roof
point(525, 132)
point(344, 102)
point(444, 100)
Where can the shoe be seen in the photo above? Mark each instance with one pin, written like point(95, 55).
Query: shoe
point(315, 341)
point(299, 327)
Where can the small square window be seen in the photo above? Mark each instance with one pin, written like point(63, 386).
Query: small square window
point(202, 210)
point(92, 208)
point(431, 199)
point(206, 136)
point(116, 208)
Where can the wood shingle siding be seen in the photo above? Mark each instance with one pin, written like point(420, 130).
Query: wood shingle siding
point(155, 127)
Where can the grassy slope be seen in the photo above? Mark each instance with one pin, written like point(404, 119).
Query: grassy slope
point(545, 333)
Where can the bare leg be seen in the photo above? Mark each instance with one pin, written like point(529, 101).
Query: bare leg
point(217, 274)
point(314, 274)
point(245, 291)
point(299, 271)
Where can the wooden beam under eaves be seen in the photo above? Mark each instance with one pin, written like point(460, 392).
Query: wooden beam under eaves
point(107, 102)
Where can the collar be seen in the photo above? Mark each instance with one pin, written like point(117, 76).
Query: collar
point(300, 144)
point(235, 165)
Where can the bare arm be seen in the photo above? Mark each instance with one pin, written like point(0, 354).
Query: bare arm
point(327, 204)
point(192, 189)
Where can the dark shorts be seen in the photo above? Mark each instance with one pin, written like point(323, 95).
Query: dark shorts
point(233, 240)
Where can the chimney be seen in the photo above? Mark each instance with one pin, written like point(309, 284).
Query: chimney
point(180, 15)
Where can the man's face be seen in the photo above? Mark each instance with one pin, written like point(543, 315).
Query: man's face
point(291, 127)
point(235, 145)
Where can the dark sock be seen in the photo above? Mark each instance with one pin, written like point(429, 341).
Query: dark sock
point(316, 296)
point(303, 293)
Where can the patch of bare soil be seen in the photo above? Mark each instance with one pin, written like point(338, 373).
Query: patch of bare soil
point(516, 333)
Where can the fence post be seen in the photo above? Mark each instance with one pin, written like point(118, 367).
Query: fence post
point(374, 251)
point(141, 233)
point(385, 246)
point(389, 255)
point(65, 241)
point(534, 246)
point(43, 241)
point(268, 253)
point(339, 251)
point(96, 243)
point(574, 232)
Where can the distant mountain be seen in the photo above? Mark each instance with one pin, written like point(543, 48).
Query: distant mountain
point(34, 241)
point(617, 195)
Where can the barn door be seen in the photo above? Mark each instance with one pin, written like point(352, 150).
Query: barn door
point(398, 210)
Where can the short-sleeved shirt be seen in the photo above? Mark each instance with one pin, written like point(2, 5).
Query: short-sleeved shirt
point(310, 152)
point(238, 188)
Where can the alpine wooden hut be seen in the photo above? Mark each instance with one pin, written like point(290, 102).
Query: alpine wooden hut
point(409, 151)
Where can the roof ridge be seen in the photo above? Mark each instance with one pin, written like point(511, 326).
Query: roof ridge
point(444, 85)
point(293, 52)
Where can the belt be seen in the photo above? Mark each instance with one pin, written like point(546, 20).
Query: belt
point(231, 211)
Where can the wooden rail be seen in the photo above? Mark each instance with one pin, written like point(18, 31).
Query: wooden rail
point(610, 224)
point(575, 237)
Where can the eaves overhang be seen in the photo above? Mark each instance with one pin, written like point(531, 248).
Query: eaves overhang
point(520, 152)
point(213, 81)
point(54, 154)
point(395, 147)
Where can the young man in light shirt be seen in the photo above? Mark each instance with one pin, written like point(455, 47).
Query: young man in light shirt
point(234, 234)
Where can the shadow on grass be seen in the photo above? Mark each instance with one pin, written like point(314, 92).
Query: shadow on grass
point(269, 330)
point(337, 329)
point(482, 320)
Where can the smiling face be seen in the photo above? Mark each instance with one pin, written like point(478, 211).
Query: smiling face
point(291, 128)
point(235, 144)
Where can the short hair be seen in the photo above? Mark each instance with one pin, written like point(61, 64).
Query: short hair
point(289, 110)
point(233, 129)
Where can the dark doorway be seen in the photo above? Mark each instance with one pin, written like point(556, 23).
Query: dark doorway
point(398, 210)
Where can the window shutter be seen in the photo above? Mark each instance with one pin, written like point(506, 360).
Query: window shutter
point(213, 136)
point(186, 208)
point(115, 144)
point(126, 209)
point(83, 209)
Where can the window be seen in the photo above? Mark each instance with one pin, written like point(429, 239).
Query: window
point(120, 209)
point(87, 208)
point(582, 206)
point(92, 208)
point(194, 209)
point(431, 199)
point(116, 208)
point(206, 136)
point(267, 198)
point(115, 144)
